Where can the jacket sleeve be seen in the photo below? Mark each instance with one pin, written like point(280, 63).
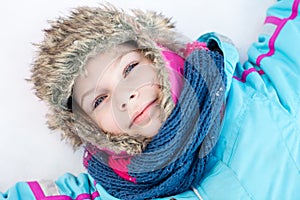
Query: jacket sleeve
point(270, 83)
point(20, 190)
point(276, 54)
point(67, 187)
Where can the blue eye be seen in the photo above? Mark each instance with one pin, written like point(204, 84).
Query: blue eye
point(99, 100)
point(128, 68)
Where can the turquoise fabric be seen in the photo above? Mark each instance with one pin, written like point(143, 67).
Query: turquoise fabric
point(18, 191)
point(258, 153)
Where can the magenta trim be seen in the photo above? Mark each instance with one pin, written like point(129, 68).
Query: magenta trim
point(246, 73)
point(273, 20)
point(39, 194)
point(261, 72)
point(95, 195)
point(88, 196)
point(58, 197)
point(83, 196)
point(277, 31)
point(36, 190)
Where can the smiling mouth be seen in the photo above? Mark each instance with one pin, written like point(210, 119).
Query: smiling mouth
point(141, 115)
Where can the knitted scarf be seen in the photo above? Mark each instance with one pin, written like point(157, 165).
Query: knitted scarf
point(175, 159)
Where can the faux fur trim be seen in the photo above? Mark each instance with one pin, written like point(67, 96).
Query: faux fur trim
point(72, 40)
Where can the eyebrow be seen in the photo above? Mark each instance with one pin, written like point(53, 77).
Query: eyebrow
point(119, 58)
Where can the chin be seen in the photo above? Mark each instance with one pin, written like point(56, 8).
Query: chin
point(151, 131)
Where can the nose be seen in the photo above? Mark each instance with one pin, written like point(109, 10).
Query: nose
point(131, 97)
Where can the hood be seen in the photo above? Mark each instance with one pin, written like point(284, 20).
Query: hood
point(72, 40)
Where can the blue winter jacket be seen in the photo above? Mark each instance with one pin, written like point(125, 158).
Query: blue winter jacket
point(258, 153)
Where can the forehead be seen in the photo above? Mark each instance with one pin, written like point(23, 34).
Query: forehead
point(97, 65)
point(101, 61)
point(106, 58)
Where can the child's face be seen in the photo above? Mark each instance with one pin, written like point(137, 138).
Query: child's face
point(120, 92)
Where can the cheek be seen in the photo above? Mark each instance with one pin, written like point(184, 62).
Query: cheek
point(157, 89)
point(107, 121)
point(143, 75)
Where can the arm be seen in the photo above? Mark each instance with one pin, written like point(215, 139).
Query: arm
point(276, 53)
point(20, 190)
point(67, 187)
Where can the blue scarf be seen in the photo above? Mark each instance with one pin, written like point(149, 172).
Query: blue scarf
point(175, 159)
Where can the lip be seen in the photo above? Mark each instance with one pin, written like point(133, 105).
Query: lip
point(140, 115)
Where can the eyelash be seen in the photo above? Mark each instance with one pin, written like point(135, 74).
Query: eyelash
point(99, 100)
point(128, 69)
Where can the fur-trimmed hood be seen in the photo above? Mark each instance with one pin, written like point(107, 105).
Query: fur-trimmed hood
point(72, 40)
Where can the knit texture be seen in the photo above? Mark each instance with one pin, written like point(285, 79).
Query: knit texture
point(176, 157)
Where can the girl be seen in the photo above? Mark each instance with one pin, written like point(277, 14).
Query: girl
point(160, 116)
